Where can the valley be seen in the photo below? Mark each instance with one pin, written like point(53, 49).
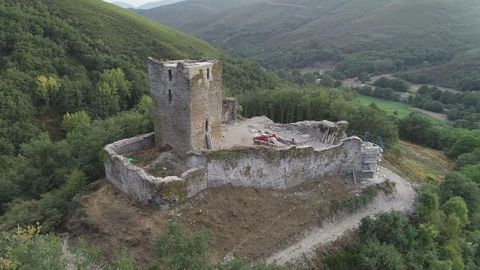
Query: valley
point(358, 35)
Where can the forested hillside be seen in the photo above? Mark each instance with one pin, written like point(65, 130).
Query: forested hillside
point(362, 36)
point(73, 78)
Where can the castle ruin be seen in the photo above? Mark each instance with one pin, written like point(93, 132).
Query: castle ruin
point(199, 143)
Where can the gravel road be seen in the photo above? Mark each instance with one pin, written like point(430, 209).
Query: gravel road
point(402, 200)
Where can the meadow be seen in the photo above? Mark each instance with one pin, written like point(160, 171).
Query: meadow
point(401, 110)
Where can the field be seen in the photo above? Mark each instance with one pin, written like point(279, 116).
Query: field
point(399, 109)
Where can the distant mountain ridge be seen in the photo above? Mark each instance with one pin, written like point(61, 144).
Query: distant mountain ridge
point(299, 33)
point(158, 4)
point(123, 5)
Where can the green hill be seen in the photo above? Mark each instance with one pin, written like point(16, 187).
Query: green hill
point(185, 12)
point(73, 78)
point(73, 43)
point(398, 34)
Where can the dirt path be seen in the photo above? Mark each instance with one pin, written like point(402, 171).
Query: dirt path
point(439, 116)
point(402, 200)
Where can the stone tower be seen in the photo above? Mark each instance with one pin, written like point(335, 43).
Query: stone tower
point(188, 103)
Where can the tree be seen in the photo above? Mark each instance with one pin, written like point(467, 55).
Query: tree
point(456, 184)
point(389, 228)
point(465, 159)
point(112, 93)
point(472, 172)
point(427, 233)
point(457, 206)
point(327, 81)
point(364, 77)
point(29, 248)
point(416, 128)
point(44, 167)
point(428, 206)
point(466, 144)
point(47, 87)
point(375, 256)
point(72, 121)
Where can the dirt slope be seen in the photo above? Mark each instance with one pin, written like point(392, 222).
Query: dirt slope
point(243, 222)
point(402, 200)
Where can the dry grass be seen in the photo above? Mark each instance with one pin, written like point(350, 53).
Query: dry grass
point(418, 163)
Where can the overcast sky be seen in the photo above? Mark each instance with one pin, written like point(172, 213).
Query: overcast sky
point(133, 2)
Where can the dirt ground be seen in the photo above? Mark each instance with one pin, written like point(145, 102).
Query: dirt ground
point(243, 222)
point(241, 133)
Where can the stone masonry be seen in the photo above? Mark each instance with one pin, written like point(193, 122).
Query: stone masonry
point(199, 129)
point(188, 103)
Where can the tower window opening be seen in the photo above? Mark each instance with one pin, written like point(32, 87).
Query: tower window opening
point(208, 74)
point(169, 95)
point(206, 126)
point(170, 75)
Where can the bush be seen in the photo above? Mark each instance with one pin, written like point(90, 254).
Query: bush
point(456, 184)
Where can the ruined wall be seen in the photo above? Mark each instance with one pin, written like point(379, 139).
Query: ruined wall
point(172, 115)
point(230, 106)
point(327, 132)
point(133, 180)
point(256, 166)
point(206, 103)
point(264, 167)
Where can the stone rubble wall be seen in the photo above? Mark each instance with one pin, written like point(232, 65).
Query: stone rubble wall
point(144, 187)
point(230, 106)
point(328, 132)
point(263, 167)
point(256, 166)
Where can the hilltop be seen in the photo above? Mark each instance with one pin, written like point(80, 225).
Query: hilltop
point(398, 34)
point(123, 4)
point(158, 4)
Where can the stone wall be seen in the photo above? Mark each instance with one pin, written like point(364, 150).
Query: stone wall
point(327, 132)
point(172, 112)
point(206, 103)
point(135, 181)
point(256, 166)
point(230, 107)
point(188, 97)
point(264, 167)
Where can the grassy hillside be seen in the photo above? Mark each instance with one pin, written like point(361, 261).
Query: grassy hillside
point(396, 108)
point(365, 35)
point(186, 12)
point(126, 33)
point(150, 5)
point(463, 72)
